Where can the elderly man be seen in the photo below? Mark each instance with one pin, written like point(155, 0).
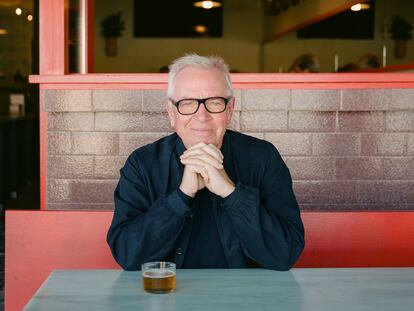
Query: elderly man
point(205, 196)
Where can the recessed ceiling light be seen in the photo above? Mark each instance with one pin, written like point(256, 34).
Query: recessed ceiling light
point(29, 17)
point(207, 4)
point(360, 6)
point(19, 11)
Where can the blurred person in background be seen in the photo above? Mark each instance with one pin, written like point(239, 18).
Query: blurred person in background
point(305, 63)
point(369, 61)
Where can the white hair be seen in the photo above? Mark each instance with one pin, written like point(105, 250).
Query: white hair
point(195, 60)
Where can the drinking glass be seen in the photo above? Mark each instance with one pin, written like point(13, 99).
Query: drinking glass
point(158, 277)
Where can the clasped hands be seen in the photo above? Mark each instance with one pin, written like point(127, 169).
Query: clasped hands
point(203, 167)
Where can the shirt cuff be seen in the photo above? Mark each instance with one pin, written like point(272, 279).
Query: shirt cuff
point(186, 198)
point(177, 204)
point(234, 198)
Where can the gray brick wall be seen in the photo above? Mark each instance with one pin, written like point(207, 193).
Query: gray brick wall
point(346, 149)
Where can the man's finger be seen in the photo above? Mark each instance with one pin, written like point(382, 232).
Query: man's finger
point(197, 146)
point(202, 153)
point(204, 149)
point(200, 170)
point(213, 151)
point(202, 160)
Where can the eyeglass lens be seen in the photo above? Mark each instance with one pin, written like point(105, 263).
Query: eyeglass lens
point(190, 106)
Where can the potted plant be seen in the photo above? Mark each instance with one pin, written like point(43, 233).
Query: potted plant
point(112, 28)
point(400, 30)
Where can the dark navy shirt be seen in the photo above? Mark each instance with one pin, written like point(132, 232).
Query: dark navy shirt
point(258, 225)
point(204, 247)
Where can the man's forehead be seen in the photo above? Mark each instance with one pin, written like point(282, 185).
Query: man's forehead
point(197, 81)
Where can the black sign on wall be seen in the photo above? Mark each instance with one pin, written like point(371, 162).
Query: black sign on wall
point(166, 18)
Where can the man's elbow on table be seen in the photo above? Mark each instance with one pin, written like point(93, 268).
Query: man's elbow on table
point(287, 263)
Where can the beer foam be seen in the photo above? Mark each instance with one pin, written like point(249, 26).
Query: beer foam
point(157, 274)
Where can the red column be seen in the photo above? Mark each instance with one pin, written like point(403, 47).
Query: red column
point(53, 48)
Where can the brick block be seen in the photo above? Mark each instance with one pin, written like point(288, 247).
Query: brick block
point(291, 143)
point(117, 100)
point(70, 166)
point(156, 122)
point(80, 191)
point(237, 93)
point(67, 100)
point(81, 206)
point(337, 144)
point(59, 143)
point(155, 100)
point(265, 99)
point(70, 121)
point(361, 121)
point(410, 144)
point(325, 192)
point(399, 168)
point(310, 121)
point(328, 207)
point(383, 144)
point(319, 100)
point(267, 121)
point(235, 121)
point(359, 168)
point(400, 121)
point(128, 142)
point(92, 191)
point(385, 192)
point(409, 207)
point(58, 190)
point(95, 143)
point(107, 167)
point(366, 99)
point(118, 121)
point(311, 168)
point(402, 99)
point(257, 135)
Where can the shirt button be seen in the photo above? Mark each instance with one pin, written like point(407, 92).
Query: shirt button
point(179, 251)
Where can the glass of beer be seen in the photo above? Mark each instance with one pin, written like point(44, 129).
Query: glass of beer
point(158, 277)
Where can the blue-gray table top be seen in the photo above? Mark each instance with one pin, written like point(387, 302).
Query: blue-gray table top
point(232, 289)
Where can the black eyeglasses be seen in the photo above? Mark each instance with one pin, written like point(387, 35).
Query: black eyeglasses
point(189, 106)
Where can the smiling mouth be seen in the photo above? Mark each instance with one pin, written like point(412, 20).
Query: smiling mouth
point(203, 131)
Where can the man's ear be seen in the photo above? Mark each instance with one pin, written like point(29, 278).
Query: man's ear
point(230, 109)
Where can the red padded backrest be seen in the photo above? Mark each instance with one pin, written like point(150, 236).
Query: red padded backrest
point(358, 239)
point(39, 241)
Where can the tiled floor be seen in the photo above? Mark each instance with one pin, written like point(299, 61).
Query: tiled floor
point(28, 198)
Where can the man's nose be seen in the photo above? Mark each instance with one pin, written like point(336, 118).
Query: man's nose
point(202, 113)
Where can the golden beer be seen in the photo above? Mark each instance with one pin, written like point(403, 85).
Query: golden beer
point(158, 281)
point(158, 277)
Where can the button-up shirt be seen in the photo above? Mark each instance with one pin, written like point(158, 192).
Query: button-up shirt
point(258, 225)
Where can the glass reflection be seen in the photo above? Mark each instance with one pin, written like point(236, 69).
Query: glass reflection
point(257, 38)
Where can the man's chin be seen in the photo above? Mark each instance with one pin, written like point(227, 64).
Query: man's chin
point(207, 139)
point(207, 142)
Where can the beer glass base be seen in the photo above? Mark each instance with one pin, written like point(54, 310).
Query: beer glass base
point(159, 291)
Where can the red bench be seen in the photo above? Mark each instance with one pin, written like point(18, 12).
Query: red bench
point(39, 241)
